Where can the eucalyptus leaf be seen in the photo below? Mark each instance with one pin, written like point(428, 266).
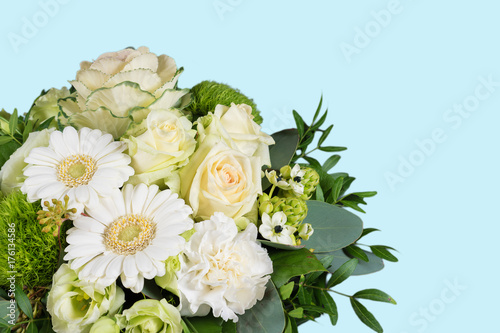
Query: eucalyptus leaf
point(206, 324)
point(265, 316)
point(151, 289)
point(287, 264)
point(281, 246)
point(283, 150)
point(334, 227)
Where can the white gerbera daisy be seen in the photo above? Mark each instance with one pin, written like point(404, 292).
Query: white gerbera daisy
point(83, 165)
point(129, 234)
point(276, 230)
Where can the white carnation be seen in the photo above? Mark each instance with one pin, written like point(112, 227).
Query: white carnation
point(222, 269)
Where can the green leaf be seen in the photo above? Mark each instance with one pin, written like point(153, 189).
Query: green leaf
point(316, 114)
point(331, 162)
point(305, 295)
point(45, 124)
point(47, 326)
point(299, 122)
point(23, 302)
point(27, 130)
point(373, 265)
point(151, 289)
point(291, 326)
point(318, 309)
point(367, 231)
point(206, 324)
point(287, 264)
point(319, 193)
point(286, 290)
point(229, 327)
point(3, 294)
point(314, 163)
point(320, 121)
point(342, 273)
point(337, 187)
point(281, 246)
point(334, 227)
point(5, 314)
point(382, 252)
point(13, 122)
point(326, 300)
point(365, 316)
point(282, 151)
point(7, 149)
point(5, 139)
point(265, 316)
point(324, 135)
point(331, 149)
point(374, 295)
point(32, 328)
point(296, 313)
point(3, 324)
point(356, 252)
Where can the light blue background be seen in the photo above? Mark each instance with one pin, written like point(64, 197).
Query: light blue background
point(394, 92)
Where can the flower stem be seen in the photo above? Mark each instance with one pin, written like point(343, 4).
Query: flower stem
point(326, 289)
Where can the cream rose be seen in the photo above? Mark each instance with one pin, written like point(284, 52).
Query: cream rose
point(158, 146)
point(11, 174)
point(235, 125)
point(221, 179)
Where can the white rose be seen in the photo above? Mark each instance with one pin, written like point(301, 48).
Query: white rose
point(11, 174)
point(236, 124)
point(221, 179)
point(158, 146)
point(222, 269)
point(75, 305)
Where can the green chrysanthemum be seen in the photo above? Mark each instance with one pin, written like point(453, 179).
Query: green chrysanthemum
point(206, 95)
point(35, 254)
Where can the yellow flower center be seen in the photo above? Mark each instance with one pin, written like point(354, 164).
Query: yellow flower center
point(129, 234)
point(76, 170)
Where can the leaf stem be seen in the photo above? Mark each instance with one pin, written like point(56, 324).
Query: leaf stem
point(326, 289)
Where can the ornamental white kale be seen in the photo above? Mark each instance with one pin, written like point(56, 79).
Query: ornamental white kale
point(222, 269)
point(120, 85)
point(129, 234)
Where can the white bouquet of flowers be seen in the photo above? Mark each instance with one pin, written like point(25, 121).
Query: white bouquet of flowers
point(131, 205)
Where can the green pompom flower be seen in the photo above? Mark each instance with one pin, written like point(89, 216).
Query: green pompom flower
point(206, 95)
point(294, 208)
point(27, 250)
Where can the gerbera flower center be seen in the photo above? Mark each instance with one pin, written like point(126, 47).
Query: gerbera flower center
point(129, 234)
point(76, 170)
